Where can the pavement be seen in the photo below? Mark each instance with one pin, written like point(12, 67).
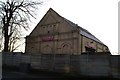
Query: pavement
point(17, 75)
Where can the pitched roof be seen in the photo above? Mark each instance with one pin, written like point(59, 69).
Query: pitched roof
point(83, 31)
point(89, 35)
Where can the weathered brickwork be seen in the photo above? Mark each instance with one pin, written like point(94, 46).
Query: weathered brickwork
point(55, 34)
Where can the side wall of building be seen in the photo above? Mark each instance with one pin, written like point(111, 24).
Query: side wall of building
point(97, 46)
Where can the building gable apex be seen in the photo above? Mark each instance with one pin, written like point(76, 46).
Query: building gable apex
point(57, 18)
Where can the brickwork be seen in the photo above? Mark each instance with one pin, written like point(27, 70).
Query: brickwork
point(55, 34)
point(99, 64)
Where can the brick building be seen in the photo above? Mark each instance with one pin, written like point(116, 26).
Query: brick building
point(56, 34)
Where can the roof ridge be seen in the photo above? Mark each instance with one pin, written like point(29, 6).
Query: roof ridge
point(91, 36)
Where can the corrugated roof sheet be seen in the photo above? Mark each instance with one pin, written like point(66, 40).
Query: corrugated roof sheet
point(84, 32)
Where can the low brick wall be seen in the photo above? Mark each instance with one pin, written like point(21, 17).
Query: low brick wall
point(85, 64)
point(95, 65)
point(115, 66)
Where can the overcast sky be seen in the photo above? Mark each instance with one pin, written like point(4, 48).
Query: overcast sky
point(100, 17)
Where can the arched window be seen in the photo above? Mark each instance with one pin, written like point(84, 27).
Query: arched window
point(66, 48)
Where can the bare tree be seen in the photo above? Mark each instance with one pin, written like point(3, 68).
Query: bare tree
point(1, 40)
point(15, 42)
point(14, 16)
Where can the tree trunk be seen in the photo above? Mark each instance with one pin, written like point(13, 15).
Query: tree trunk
point(6, 38)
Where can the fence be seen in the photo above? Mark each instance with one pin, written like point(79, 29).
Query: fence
point(93, 65)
